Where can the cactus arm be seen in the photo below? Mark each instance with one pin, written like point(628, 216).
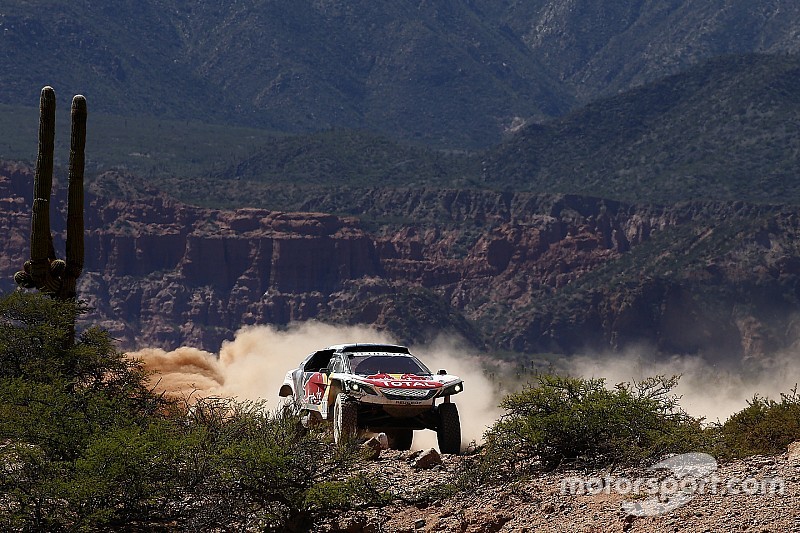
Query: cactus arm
point(75, 247)
point(41, 239)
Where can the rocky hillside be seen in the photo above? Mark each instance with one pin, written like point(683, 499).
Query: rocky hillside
point(599, 49)
point(517, 272)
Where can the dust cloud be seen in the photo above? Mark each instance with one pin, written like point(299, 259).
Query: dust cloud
point(252, 367)
point(477, 404)
point(708, 390)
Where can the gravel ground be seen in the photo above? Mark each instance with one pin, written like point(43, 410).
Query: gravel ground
point(540, 504)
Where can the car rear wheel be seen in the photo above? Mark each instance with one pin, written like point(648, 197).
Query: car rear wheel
point(400, 439)
point(448, 433)
point(345, 419)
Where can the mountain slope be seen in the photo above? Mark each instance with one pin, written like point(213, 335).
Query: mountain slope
point(600, 48)
point(348, 158)
point(451, 73)
point(126, 57)
point(724, 130)
point(434, 73)
point(425, 71)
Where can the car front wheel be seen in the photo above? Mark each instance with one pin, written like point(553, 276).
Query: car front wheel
point(345, 419)
point(448, 432)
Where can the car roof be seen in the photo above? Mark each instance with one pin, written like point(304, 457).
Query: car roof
point(370, 347)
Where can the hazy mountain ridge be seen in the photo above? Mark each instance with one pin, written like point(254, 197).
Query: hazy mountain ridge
point(600, 48)
point(456, 73)
point(725, 130)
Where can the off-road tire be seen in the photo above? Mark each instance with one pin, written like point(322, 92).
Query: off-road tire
point(345, 419)
point(448, 432)
point(400, 439)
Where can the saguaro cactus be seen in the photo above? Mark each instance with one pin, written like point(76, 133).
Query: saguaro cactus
point(44, 271)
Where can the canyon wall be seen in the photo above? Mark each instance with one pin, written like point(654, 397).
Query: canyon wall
point(517, 272)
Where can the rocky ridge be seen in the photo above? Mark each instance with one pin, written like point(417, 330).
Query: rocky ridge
point(515, 271)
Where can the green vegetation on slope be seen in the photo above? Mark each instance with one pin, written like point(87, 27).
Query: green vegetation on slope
point(432, 73)
point(725, 130)
point(457, 73)
point(348, 158)
point(86, 445)
point(147, 145)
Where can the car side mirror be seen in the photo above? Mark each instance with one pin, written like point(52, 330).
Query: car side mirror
point(442, 372)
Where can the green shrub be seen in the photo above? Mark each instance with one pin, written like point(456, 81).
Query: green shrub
point(764, 427)
point(263, 470)
point(565, 420)
point(86, 446)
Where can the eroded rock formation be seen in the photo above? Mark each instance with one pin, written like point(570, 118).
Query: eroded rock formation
point(521, 272)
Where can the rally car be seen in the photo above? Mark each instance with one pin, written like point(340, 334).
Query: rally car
point(378, 388)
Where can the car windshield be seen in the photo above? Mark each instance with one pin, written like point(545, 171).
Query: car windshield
point(369, 365)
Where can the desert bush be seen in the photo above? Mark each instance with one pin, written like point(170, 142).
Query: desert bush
point(561, 419)
point(86, 446)
point(261, 469)
point(764, 427)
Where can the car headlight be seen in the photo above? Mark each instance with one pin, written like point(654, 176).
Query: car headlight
point(356, 388)
point(452, 389)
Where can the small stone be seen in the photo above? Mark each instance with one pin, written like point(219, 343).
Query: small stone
point(427, 460)
point(372, 448)
point(414, 455)
point(383, 440)
point(419, 524)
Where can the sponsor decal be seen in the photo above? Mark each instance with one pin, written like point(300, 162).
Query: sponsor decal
point(315, 388)
point(404, 381)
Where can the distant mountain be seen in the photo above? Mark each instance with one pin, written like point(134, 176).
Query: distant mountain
point(126, 57)
point(600, 48)
point(437, 73)
point(724, 130)
point(449, 73)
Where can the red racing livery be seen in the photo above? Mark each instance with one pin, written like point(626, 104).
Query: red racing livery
point(378, 388)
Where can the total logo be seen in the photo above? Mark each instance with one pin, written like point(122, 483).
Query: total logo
point(402, 384)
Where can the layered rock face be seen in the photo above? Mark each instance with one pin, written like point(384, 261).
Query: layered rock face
point(162, 273)
point(520, 272)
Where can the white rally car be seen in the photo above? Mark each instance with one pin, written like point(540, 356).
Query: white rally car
point(379, 388)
